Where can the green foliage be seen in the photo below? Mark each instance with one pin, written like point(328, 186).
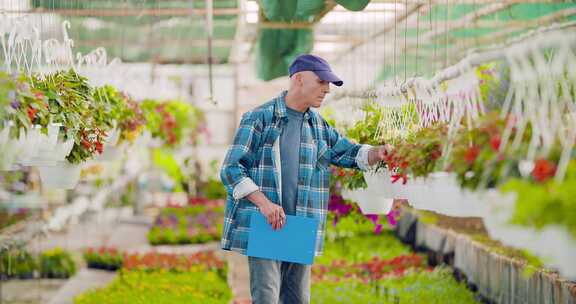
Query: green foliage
point(7, 95)
point(174, 122)
point(104, 258)
point(436, 287)
point(476, 157)
point(541, 204)
point(17, 263)
point(205, 287)
point(56, 263)
point(165, 160)
point(70, 102)
point(347, 178)
point(366, 130)
point(419, 153)
point(213, 189)
point(188, 225)
point(362, 248)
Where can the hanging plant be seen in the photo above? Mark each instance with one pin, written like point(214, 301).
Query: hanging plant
point(124, 111)
point(172, 121)
point(72, 104)
point(28, 106)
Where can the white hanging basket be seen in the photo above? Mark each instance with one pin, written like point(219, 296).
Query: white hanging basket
point(61, 176)
point(9, 149)
point(368, 201)
point(29, 141)
point(111, 153)
point(112, 137)
point(416, 192)
point(445, 196)
point(553, 244)
point(49, 151)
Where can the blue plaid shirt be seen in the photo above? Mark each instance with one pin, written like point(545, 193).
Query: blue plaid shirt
point(251, 160)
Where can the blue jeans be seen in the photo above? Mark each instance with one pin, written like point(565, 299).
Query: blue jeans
point(275, 282)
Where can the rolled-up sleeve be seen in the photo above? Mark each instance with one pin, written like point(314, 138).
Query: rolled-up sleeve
point(240, 158)
point(362, 158)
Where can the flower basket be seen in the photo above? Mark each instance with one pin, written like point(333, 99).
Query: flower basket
point(9, 150)
point(369, 202)
point(50, 149)
point(29, 141)
point(61, 176)
point(537, 241)
point(446, 197)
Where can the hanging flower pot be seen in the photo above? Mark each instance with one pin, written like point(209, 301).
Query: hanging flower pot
point(112, 138)
point(368, 201)
point(47, 148)
point(537, 241)
point(29, 142)
point(446, 197)
point(9, 149)
point(63, 175)
point(111, 153)
point(416, 192)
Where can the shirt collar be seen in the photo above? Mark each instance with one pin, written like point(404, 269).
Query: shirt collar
point(280, 109)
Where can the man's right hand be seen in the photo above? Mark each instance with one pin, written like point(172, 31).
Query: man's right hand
point(272, 212)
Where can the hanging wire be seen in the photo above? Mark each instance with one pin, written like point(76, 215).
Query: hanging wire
point(431, 30)
point(395, 25)
point(446, 34)
point(417, 41)
point(405, 40)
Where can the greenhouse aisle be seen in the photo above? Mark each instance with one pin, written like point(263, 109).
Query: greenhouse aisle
point(428, 149)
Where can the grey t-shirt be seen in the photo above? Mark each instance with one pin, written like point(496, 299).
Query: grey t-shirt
point(290, 154)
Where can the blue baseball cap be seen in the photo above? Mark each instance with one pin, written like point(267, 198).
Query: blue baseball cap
point(317, 65)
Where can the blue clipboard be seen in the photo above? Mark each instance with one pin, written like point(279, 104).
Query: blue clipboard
point(295, 242)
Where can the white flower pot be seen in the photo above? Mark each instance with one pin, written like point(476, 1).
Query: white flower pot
point(61, 176)
point(9, 149)
point(553, 244)
point(446, 197)
point(112, 137)
point(48, 150)
point(111, 153)
point(29, 143)
point(368, 201)
point(416, 190)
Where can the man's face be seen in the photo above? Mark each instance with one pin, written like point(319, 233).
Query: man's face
point(313, 89)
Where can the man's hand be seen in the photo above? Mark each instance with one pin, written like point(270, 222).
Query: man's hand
point(398, 204)
point(378, 153)
point(272, 212)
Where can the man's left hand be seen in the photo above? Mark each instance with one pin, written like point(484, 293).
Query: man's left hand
point(378, 153)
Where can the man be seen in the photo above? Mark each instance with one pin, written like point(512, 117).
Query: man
point(279, 164)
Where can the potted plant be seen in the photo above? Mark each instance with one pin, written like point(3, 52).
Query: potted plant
point(171, 121)
point(17, 263)
point(56, 264)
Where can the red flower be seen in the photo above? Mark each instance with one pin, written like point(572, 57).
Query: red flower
point(396, 177)
point(99, 147)
point(86, 144)
point(495, 142)
point(471, 154)
point(404, 165)
point(31, 113)
point(39, 95)
point(435, 154)
point(543, 170)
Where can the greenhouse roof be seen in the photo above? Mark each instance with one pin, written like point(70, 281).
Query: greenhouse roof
point(432, 34)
